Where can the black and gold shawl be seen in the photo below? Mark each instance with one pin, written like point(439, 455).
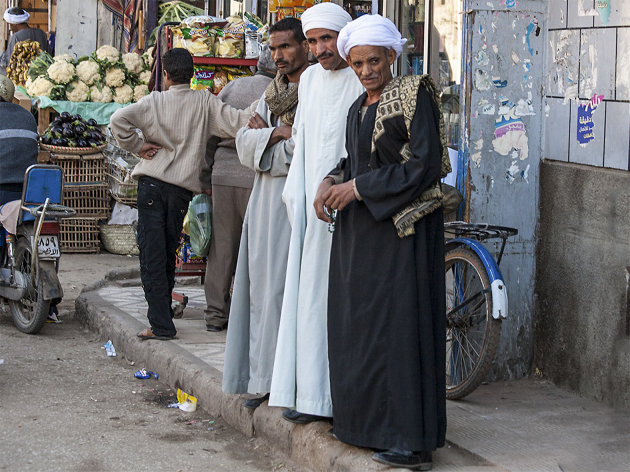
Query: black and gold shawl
point(282, 99)
point(399, 99)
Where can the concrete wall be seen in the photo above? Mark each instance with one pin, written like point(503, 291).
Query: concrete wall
point(581, 324)
point(581, 321)
point(77, 26)
point(503, 111)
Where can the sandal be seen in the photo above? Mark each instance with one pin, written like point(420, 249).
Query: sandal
point(148, 334)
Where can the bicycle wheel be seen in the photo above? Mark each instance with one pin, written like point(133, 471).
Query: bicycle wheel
point(472, 334)
point(30, 313)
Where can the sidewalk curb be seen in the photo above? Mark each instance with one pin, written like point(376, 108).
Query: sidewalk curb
point(308, 445)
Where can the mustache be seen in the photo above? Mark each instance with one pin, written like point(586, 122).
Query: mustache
point(280, 63)
point(324, 55)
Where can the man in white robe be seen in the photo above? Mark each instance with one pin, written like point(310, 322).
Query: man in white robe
point(301, 378)
point(260, 270)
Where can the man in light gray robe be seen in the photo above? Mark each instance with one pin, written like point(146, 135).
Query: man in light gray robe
point(261, 267)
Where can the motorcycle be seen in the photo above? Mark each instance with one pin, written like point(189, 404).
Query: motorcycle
point(29, 247)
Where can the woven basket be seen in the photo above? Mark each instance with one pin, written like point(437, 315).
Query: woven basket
point(120, 239)
point(72, 150)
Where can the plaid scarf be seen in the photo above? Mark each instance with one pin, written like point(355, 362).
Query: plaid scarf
point(282, 99)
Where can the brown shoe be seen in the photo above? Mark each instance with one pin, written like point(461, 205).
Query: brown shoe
point(148, 334)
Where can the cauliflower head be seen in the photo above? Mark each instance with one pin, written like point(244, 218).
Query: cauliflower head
point(123, 94)
point(145, 76)
point(140, 91)
point(107, 54)
point(88, 71)
point(114, 77)
point(41, 86)
point(101, 96)
point(77, 91)
point(133, 62)
point(147, 57)
point(63, 57)
point(61, 72)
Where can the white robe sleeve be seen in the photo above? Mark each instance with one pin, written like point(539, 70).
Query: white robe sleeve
point(251, 146)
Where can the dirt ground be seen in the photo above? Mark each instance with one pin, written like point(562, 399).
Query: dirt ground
point(66, 406)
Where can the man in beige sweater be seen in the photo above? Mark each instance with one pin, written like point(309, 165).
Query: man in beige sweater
point(176, 125)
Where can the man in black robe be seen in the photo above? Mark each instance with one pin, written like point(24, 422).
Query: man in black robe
point(386, 299)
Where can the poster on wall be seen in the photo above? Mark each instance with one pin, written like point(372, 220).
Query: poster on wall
point(291, 8)
point(585, 124)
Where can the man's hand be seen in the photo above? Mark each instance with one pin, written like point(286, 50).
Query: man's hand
point(207, 191)
point(281, 133)
point(148, 150)
point(322, 190)
point(339, 196)
point(256, 122)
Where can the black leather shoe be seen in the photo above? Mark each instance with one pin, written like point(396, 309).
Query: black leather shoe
point(254, 403)
point(405, 459)
point(214, 328)
point(301, 418)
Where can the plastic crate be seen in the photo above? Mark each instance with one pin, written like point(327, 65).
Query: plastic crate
point(87, 200)
point(81, 169)
point(79, 235)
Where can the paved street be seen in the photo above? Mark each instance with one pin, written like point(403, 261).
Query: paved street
point(66, 406)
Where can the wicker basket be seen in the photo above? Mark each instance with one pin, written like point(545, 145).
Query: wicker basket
point(81, 169)
point(120, 239)
point(79, 235)
point(122, 186)
point(87, 200)
point(82, 151)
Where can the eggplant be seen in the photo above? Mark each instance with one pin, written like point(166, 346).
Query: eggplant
point(92, 122)
point(82, 142)
point(79, 129)
point(65, 117)
point(68, 133)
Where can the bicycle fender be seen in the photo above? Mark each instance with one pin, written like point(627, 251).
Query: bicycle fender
point(499, 290)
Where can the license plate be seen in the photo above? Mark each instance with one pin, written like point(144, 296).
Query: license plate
point(48, 247)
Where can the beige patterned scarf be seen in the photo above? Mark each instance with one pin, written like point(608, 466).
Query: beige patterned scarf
point(399, 98)
point(282, 98)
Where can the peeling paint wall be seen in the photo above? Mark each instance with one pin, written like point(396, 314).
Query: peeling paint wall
point(77, 25)
point(582, 337)
point(587, 88)
point(502, 139)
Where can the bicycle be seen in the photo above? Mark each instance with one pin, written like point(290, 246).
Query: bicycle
point(476, 302)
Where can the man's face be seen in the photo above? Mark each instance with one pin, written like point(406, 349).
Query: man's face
point(323, 44)
point(289, 55)
point(371, 64)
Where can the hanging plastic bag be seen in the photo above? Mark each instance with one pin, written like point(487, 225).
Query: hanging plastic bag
point(200, 224)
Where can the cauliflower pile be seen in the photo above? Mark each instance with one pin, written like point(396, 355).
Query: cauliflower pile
point(114, 77)
point(104, 95)
point(41, 86)
point(105, 76)
point(77, 91)
point(133, 62)
point(140, 91)
point(61, 72)
point(123, 94)
point(88, 71)
point(107, 54)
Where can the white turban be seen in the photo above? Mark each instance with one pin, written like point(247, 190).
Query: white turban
point(16, 19)
point(370, 30)
point(325, 15)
